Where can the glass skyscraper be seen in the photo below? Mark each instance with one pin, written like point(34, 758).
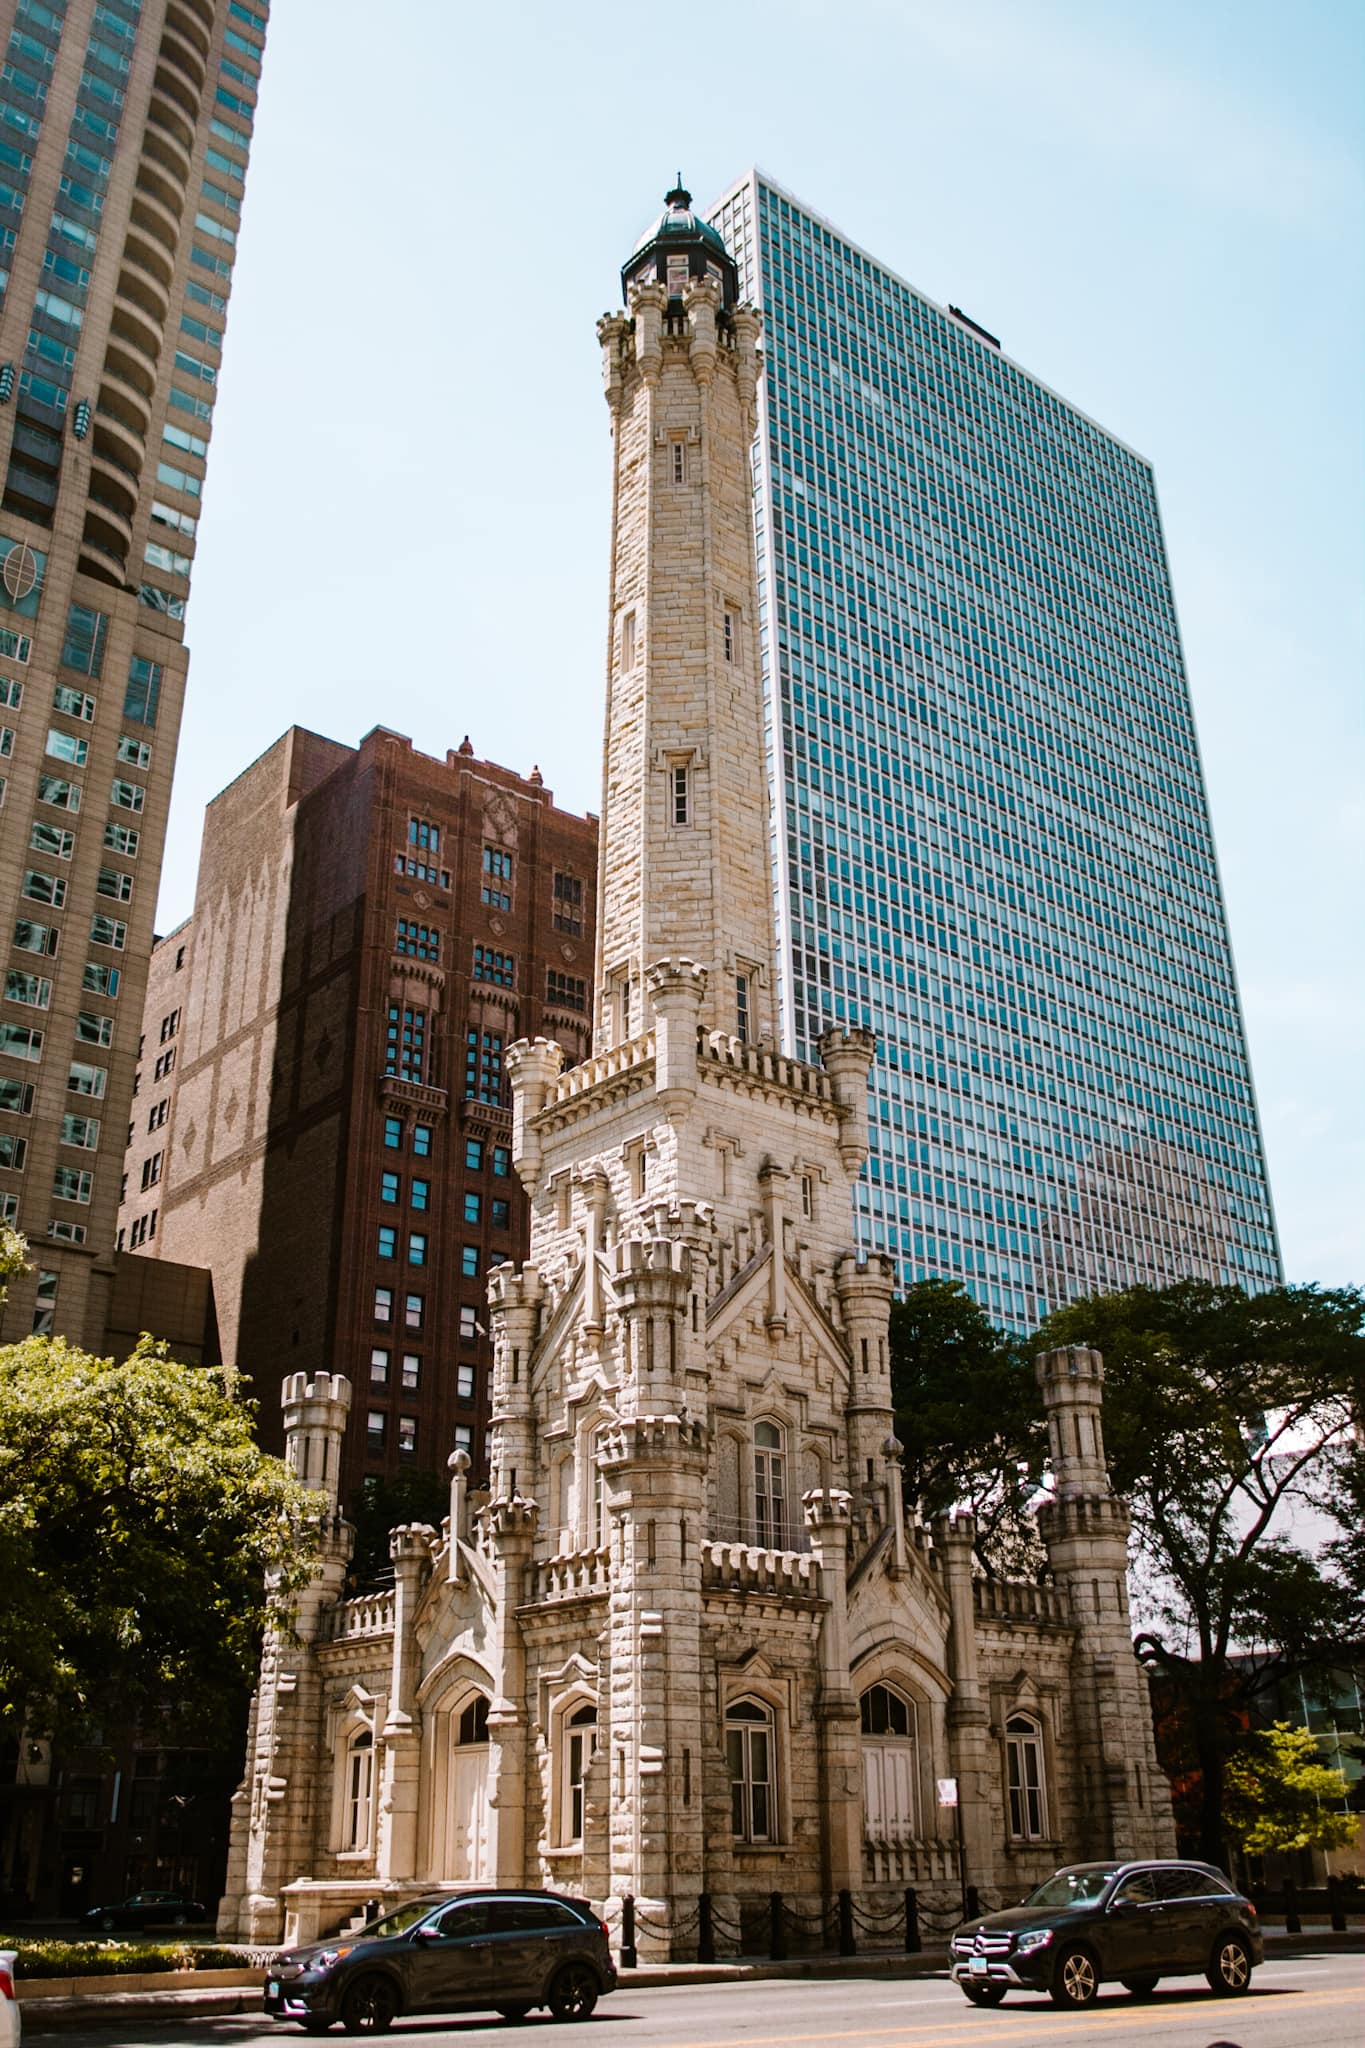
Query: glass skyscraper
point(125, 130)
point(991, 836)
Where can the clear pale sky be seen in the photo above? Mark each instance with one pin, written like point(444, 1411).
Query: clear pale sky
point(1157, 208)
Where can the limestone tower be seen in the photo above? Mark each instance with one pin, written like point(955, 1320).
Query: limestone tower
point(684, 839)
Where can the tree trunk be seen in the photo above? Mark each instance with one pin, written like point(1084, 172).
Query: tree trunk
point(1208, 1749)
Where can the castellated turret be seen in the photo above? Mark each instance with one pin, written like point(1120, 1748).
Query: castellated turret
point(315, 1414)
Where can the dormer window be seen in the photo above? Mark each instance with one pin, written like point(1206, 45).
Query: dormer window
point(677, 276)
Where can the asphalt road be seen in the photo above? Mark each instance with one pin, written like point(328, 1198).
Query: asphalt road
point(1303, 2002)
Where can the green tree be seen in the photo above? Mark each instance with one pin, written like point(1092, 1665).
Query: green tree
point(1222, 1411)
point(383, 1505)
point(138, 1523)
point(1279, 1794)
point(969, 1416)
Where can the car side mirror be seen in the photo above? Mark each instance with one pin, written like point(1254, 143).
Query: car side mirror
point(426, 1934)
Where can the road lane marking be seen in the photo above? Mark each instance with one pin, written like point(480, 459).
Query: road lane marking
point(1023, 2022)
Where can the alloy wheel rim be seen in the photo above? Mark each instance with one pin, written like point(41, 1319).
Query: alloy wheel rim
point(1079, 1977)
point(1234, 1965)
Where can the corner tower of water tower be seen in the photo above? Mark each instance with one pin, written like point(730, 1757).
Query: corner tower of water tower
point(685, 858)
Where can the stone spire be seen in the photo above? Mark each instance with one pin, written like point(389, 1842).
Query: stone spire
point(685, 836)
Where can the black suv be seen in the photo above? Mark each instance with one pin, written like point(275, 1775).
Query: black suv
point(1137, 1922)
point(473, 1952)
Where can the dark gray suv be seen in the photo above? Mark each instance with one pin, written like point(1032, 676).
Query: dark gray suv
point(1136, 1922)
point(477, 1951)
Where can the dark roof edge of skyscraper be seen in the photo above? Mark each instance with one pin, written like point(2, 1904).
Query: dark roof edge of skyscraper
point(997, 354)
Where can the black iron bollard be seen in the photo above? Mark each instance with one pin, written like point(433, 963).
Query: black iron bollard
point(706, 1932)
point(847, 1945)
point(777, 1929)
point(1334, 1902)
point(912, 1940)
point(629, 1959)
point(973, 1902)
point(1292, 1922)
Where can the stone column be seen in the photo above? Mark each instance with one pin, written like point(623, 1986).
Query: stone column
point(828, 1519)
point(847, 1056)
point(278, 1807)
point(1085, 1530)
point(865, 1289)
point(396, 1846)
point(676, 989)
point(514, 1301)
point(511, 1528)
point(532, 1070)
point(968, 1717)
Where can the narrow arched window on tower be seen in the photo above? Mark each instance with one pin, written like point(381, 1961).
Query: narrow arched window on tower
point(770, 1487)
point(682, 795)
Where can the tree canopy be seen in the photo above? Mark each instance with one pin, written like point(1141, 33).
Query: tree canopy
point(1280, 1795)
point(1227, 1417)
point(138, 1523)
point(969, 1416)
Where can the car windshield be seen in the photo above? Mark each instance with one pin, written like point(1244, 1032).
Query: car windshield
point(399, 1921)
point(1072, 1887)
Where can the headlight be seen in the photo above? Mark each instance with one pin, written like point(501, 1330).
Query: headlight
point(327, 1956)
point(1027, 1943)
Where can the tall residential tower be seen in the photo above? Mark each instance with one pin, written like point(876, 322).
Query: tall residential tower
point(125, 127)
point(991, 837)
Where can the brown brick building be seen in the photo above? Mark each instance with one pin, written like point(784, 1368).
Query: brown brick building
point(320, 1115)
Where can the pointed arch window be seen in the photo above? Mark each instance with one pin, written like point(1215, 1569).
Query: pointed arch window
point(359, 1791)
point(749, 1754)
point(473, 1724)
point(579, 1743)
point(889, 1764)
point(770, 1486)
point(1026, 1780)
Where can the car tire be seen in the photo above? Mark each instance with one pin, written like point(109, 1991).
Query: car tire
point(1141, 1987)
point(1229, 1971)
point(512, 2013)
point(369, 2006)
point(984, 1994)
point(180, 1919)
point(573, 1993)
point(1076, 1979)
point(107, 1923)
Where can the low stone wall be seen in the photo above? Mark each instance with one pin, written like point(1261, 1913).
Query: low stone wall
point(28, 1988)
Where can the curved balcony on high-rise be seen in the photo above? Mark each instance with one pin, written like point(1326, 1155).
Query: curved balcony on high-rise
point(187, 23)
point(178, 50)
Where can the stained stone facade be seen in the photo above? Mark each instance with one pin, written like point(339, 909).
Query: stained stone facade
point(691, 1641)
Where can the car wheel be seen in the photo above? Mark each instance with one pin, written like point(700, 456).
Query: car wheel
point(107, 1922)
point(985, 1994)
point(1141, 1987)
point(573, 1994)
point(514, 2012)
point(1229, 1971)
point(180, 1919)
point(1076, 1979)
point(370, 2006)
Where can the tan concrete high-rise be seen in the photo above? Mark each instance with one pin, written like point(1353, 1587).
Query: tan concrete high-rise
point(125, 127)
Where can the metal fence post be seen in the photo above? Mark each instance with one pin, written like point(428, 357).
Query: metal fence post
point(847, 1945)
point(777, 1931)
point(1292, 1922)
point(706, 1932)
point(1334, 1902)
point(973, 1902)
point(912, 1940)
point(629, 1959)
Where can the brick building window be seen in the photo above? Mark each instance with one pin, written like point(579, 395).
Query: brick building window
point(388, 1241)
point(417, 1247)
point(393, 1133)
point(379, 1366)
point(502, 1215)
point(170, 1025)
point(469, 1324)
point(419, 940)
point(568, 991)
point(502, 1160)
point(376, 1430)
point(497, 885)
point(420, 1194)
point(407, 1435)
point(473, 1155)
point(473, 1206)
point(483, 1066)
point(421, 1141)
point(164, 1063)
point(569, 905)
point(414, 1311)
point(464, 1383)
point(490, 965)
point(469, 1262)
point(422, 833)
point(388, 1187)
point(383, 1304)
point(412, 1372)
point(405, 1052)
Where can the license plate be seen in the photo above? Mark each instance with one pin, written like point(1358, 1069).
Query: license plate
point(979, 1966)
point(272, 1989)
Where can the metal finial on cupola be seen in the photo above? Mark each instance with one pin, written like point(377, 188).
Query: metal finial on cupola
point(679, 196)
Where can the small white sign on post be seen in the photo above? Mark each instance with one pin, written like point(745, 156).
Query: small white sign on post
point(947, 1791)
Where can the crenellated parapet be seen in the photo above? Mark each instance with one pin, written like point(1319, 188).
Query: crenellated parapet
point(315, 1412)
point(532, 1069)
point(639, 1440)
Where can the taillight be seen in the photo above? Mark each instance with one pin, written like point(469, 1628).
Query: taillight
point(6, 1984)
point(1251, 1908)
point(605, 1931)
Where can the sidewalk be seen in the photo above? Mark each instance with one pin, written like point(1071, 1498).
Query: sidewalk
point(59, 2015)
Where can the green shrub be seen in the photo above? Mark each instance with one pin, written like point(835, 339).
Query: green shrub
point(114, 1958)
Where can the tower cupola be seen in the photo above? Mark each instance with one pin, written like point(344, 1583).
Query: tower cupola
point(680, 245)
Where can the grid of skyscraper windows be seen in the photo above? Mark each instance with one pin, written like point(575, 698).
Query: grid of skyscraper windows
point(991, 840)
